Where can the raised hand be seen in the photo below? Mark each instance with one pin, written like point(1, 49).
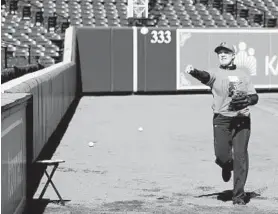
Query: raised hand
point(188, 69)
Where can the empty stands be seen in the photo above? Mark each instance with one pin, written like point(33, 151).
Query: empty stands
point(33, 30)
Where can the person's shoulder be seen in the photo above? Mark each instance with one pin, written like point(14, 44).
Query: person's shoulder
point(244, 72)
point(213, 70)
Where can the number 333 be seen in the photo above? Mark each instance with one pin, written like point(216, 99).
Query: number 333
point(161, 37)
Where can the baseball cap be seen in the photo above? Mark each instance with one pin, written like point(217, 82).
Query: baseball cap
point(224, 46)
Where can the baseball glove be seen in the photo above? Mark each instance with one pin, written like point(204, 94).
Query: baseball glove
point(239, 101)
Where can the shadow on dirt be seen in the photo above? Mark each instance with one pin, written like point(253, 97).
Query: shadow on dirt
point(227, 195)
point(38, 206)
point(35, 172)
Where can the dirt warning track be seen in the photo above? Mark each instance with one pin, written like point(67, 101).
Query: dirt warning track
point(166, 168)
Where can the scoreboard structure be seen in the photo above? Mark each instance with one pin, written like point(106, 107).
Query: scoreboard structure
point(153, 59)
point(137, 8)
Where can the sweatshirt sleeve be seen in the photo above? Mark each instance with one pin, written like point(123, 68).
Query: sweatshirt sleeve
point(205, 77)
point(253, 99)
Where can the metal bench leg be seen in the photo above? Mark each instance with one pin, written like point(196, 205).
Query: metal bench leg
point(55, 189)
point(49, 181)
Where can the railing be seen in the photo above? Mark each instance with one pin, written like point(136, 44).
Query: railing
point(5, 55)
point(29, 2)
point(237, 2)
point(55, 13)
point(241, 3)
point(5, 46)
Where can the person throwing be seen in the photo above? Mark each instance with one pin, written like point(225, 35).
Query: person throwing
point(233, 92)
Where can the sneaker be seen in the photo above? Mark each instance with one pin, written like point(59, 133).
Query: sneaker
point(239, 201)
point(226, 174)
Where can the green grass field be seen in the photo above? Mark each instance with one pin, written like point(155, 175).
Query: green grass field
point(166, 167)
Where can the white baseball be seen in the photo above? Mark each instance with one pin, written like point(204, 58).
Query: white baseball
point(91, 144)
point(144, 30)
point(189, 68)
point(140, 129)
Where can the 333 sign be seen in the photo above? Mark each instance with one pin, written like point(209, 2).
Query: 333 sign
point(161, 37)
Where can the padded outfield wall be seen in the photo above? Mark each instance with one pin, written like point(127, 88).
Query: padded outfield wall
point(33, 106)
point(13, 151)
point(131, 60)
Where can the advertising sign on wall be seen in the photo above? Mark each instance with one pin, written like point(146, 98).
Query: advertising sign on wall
point(256, 53)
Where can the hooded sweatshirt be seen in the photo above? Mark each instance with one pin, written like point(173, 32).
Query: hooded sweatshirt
point(225, 82)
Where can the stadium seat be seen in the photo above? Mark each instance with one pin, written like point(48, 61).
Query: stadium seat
point(11, 48)
point(46, 61)
point(217, 4)
point(258, 19)
point(228, 17)
point(123, 22)
point(242, 22)
point(255, 25)
point(271, 22)
point(10, 39)
point(174, 13)
point(36, 53)
point(204, 2)
point(8, 29)
point(38, 48)
point(24, 29)
point(161, 24)
point(49, 51)
point(230, 8)
point(21, 52)
point(243, 13)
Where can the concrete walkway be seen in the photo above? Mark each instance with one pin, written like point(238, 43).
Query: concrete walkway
point(165, 167)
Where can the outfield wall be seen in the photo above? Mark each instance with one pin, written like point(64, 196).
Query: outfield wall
point(13, 152)
point(51, 91)
point(106, 58)
point(131, 60)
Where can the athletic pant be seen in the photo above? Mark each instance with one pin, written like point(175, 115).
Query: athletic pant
point(232, 133)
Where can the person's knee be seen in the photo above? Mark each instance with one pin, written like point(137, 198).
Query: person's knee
point(223, 155)
point(241, 157)
point(227, 163)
